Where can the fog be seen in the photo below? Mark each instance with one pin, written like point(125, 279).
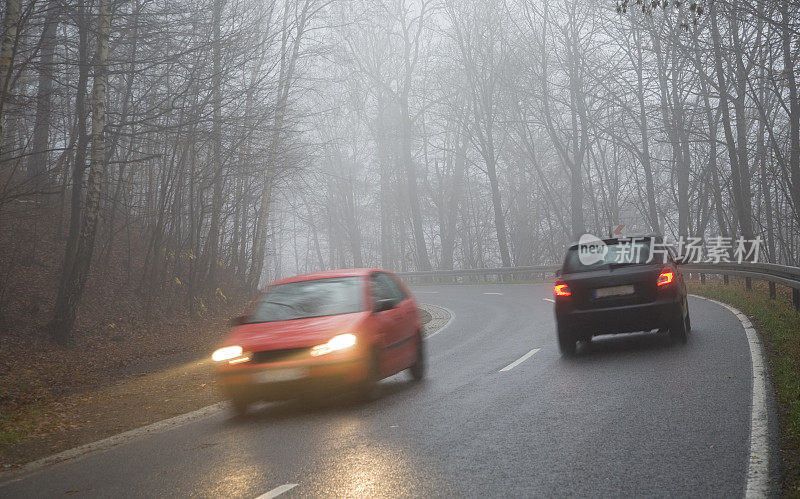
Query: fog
point(209, 139)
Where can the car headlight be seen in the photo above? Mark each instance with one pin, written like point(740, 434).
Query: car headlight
point(227, 353)
point(338, 342)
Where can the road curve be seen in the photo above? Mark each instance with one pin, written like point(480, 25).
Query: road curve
point(631, 415)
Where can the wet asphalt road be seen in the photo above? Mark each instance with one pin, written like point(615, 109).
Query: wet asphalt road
point(632, 415)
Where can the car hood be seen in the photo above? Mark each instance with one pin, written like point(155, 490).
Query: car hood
point(295, 333)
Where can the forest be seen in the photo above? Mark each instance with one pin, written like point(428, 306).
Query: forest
point(189, 148)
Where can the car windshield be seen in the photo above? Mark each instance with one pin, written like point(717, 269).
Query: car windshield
point(619, 253)
point(314, 298)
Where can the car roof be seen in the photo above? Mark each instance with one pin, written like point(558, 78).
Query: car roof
point(325, 274)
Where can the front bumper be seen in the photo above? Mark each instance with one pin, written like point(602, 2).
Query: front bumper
point(318, 377)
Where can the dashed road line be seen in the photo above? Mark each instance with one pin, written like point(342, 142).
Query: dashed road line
point(277, 491)
point(501, 294)
point(549, 299)
point(520, 360)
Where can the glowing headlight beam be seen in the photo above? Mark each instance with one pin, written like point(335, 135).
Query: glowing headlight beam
point(338, 342)
point(227, 353)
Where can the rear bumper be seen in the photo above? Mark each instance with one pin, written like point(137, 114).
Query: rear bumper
point(318, 378)
point(622, 319)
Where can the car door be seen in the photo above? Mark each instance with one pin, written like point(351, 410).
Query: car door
point(389, 323)
point(407, 348)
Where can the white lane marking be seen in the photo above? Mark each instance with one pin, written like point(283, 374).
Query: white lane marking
point(549, 299)
point(277, 491)
point(449, 321)
point(758, 479)
point(520, 360)
point(501, 294)
point(113, 441)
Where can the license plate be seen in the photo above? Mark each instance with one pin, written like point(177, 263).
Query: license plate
point(613, 291)
point(277, 375)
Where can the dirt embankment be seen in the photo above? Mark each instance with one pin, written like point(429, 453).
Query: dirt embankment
point(127, 328)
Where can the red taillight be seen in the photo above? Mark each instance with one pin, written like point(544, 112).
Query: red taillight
point(561, 290)
point(665, 277)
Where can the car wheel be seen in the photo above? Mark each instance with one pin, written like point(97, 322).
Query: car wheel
point(679, 330)
point(240, 406)
point(369, 389)
point(566, 342)
point(688, 318)
point(417, 370)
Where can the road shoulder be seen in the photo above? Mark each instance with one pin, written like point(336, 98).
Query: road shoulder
point(773, 441)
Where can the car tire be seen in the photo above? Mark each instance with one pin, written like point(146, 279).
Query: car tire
point(680, 329)
point(688, 317)
point(417, 369)
point(566, 342)
point(369, 389)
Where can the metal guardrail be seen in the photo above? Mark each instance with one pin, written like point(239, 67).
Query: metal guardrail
point(771, 273)
point(502, 274)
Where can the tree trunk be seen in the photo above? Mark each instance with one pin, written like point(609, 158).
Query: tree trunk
point(794, 105)
point(79, 161)
point(652, 209)
point(212, 244)
point(285, 80)
point(37, 162)
point(745, 209)
point(724, 97)
point(420, 248)
point(8, 52)
point(63, 322)
point(454, 203)
point(499, 216)
point(715, 186)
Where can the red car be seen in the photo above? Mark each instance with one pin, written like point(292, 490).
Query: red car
point(313, 332)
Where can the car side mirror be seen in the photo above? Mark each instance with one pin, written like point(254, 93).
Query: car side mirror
point(383, 304)
point(238, 320)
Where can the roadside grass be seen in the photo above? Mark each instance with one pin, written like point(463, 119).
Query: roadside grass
point(16, 426)
point(779, 326)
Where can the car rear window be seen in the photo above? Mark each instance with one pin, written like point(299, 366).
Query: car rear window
point(313, 298)
point(618, 253)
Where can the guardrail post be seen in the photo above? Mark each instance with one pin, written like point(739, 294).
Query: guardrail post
point(702, 278)
point(748, 283)
point(796, 298)
point(772, 290)
point(725, 279)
